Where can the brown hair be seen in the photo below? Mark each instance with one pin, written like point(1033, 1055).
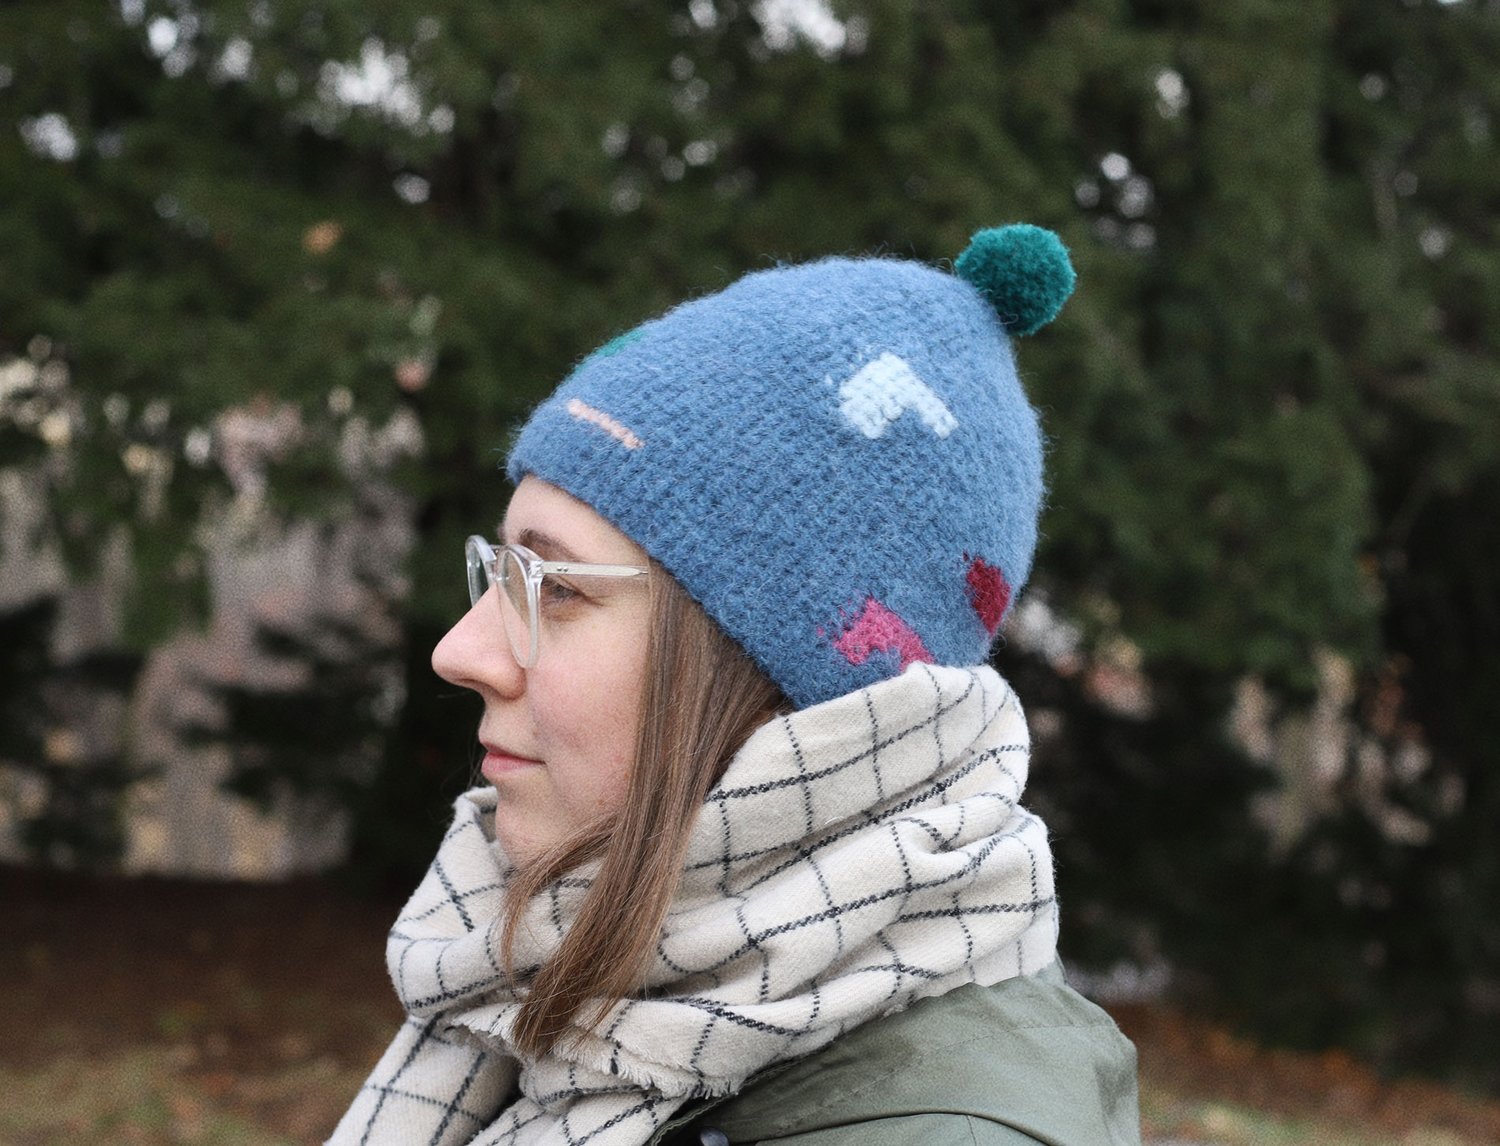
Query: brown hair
point(703, 698)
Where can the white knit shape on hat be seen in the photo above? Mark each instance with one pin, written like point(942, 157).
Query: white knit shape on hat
point(881, 391)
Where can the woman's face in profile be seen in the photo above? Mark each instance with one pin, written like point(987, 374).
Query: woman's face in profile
point(559, 738)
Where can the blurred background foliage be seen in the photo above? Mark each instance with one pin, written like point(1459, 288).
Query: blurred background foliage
point(1271, 550)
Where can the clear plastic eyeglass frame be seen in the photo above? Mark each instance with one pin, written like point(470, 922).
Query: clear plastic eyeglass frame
point(518, 573)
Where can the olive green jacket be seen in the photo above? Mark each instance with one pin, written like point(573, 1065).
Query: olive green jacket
point(1029, 1060)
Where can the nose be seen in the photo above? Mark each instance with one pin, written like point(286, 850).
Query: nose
point(475, 653)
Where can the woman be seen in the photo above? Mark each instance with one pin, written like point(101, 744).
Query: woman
point(749, 861)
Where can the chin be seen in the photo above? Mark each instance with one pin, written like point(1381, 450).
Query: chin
point(519, 847)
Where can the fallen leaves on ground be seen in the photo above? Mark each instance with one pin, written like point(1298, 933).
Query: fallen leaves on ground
point(186, 1013)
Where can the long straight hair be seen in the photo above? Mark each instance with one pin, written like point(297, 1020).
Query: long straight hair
point(703, 697)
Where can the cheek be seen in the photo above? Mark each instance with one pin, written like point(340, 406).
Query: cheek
point(587, 710)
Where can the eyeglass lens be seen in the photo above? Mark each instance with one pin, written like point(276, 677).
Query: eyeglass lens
point(479, 578)
point(515, 607)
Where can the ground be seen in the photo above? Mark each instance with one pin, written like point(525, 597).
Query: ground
point(170, 1011)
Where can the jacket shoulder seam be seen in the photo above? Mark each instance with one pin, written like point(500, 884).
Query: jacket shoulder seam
point(872, 1082)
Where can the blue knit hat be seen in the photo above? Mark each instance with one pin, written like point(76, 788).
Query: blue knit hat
point(836, 460)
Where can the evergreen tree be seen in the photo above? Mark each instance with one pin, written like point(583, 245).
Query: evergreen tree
point(1273, 405)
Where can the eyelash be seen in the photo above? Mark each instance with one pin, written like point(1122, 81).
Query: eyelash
point(556, 593)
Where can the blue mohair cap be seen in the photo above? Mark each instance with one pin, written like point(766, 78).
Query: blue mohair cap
point(836, 460)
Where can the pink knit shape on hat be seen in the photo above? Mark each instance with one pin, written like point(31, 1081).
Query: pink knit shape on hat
point(877, 629)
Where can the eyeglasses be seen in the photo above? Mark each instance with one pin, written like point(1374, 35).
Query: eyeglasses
point(519, 574)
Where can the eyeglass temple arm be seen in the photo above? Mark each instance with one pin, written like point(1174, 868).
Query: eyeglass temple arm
point(579, 569)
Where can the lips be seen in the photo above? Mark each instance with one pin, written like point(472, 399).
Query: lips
point(499, 762)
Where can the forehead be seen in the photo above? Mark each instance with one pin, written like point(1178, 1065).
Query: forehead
point(551, 518)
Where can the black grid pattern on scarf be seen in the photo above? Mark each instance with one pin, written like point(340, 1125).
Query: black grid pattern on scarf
point(605, 1107)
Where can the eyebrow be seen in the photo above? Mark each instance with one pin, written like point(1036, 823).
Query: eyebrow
point(544, 545)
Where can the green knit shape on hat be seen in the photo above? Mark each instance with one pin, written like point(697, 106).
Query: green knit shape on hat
point(1023, 271)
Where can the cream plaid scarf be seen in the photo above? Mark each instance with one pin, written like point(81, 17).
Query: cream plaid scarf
point(856, 856)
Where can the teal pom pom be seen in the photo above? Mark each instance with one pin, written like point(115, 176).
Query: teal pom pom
point(1023, 271)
